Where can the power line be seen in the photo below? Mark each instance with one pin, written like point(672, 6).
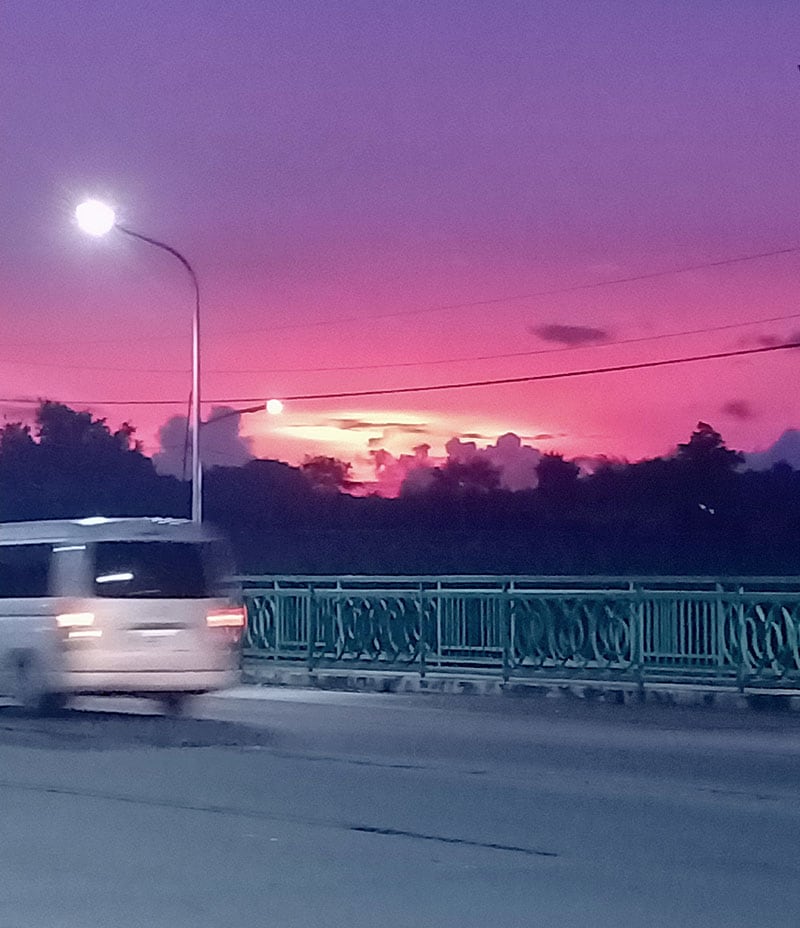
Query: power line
point(446, 307)
point(386, 365)
point(562, 375)
point(392, 391)
point(574, 288)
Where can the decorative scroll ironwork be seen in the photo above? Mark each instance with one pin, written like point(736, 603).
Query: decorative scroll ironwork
point(745, 630)
point(768, 640)
point(571, 632)
point(360, 627)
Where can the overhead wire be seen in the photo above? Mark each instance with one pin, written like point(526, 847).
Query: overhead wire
point(436, 361)
point(515, 298)
point(446, 307)
point(428, 388)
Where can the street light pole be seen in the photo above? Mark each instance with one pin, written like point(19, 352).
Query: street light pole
point(197, 464)
point(97, 218)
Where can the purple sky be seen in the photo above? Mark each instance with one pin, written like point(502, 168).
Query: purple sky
point(340, 162)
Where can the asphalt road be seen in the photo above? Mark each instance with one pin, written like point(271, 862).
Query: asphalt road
point(294, 809)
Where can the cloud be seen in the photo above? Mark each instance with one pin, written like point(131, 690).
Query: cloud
point(389, 434)
point(221, 445)
point(786, 448)
point(544, 436)
point(382, 431)
point(738, 409)
point(367, 425)
point(515, 462)
point(571, 335)
point(391, 473)
point(769, 339)
point(357, 424)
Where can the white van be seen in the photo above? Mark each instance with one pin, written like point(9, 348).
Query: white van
point(116, 606)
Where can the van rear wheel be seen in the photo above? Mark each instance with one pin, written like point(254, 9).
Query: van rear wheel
point(51, 704)
point(30, 692)
point(174, 704)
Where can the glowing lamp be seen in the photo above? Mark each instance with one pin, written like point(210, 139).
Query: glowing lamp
point(95, 217)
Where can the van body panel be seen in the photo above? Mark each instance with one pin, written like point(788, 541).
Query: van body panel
point(150, 636)
point(131, 683)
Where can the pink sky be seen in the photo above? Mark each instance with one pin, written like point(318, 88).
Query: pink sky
point(325, 167)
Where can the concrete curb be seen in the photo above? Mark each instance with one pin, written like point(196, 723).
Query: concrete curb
point(264, 673)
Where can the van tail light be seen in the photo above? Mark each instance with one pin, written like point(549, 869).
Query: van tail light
point(233, 617)
point(75, 619)
point(77, 625)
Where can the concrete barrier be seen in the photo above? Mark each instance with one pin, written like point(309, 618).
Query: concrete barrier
point(269, 673)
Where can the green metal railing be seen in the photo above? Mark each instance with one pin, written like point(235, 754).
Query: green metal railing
point(740, 630)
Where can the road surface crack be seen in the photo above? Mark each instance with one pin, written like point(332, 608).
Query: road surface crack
point(420, 836)
point(213, 809)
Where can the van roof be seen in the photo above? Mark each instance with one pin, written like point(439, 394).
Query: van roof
point(98, 528)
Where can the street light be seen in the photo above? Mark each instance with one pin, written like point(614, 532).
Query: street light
point(97, 218)
point(273, 407)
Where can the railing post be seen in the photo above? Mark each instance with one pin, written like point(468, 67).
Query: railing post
point(508, 630)
point(278, 613)
point(423, 644)
point(741, 673)
point(439, 624)
point(719, 642)
point(637, 630)
point(312, 628)
point(339, 630)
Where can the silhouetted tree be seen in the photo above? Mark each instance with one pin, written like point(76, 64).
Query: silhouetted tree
point(327, 474)
point(466, 477)
point(696, 511)
point(76, 466)
point(707, 452)
point(15, 440)
point(558, 478)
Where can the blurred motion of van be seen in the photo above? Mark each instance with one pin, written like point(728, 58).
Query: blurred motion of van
point(142, 606)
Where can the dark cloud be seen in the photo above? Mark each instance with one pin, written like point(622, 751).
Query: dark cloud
point(738, 409)
point(544, 436)
point(367, 425)
point(769, 339)
point(361, 425)
point(571, 335)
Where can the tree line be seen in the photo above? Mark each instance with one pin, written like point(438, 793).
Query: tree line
point(697, 511)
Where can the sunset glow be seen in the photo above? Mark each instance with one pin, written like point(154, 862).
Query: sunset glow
point(532, 190)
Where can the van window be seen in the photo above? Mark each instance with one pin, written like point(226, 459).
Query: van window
point(150, 569)
point(24, 570)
